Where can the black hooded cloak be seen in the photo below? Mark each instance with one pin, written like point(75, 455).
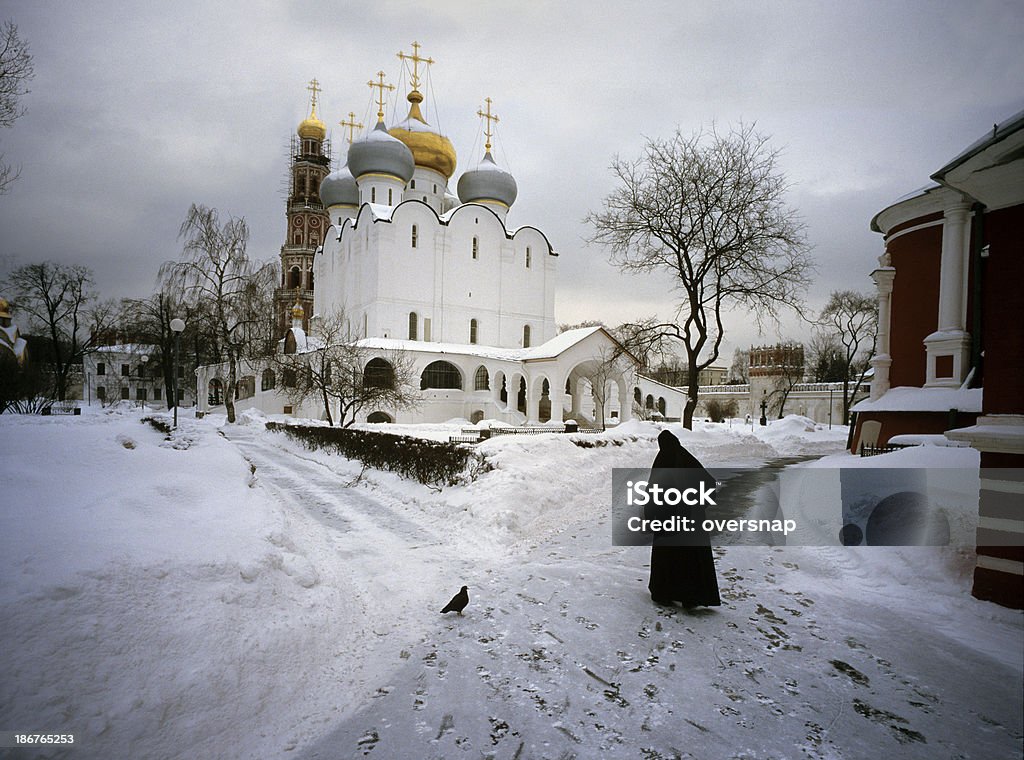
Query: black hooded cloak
point(682, 573)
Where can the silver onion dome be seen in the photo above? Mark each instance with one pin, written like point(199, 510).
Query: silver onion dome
point(380, 153)
point(339, 189)
point(487, 182)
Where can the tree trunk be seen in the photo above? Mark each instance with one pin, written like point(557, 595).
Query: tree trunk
point(691, 398)
point(229, 392)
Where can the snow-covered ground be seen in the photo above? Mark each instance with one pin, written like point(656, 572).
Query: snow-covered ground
point(228, 594)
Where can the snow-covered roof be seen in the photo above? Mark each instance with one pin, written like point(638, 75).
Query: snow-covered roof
point(998, 132)
point(906, 399)
point(126, 348)
point(549, 350)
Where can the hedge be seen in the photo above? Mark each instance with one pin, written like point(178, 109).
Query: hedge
point(432, 463)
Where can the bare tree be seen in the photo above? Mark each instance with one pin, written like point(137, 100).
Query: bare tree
point(59, 301)
point(825, 358)
point(148, 321)
point(611, 364)
point(15, 72)
point(852, 319)
point(334, 369)
point(232, 292)
point(788, 371)
point(739, 370)
point(709, 209)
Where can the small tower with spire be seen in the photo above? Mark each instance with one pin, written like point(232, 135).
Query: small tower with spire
point(307, 220)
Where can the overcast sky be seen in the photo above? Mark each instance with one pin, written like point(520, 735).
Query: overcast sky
point(138, 110)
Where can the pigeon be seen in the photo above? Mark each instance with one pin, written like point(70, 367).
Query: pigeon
point(458, 602)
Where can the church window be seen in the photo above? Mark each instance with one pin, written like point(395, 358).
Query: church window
point(140, 394)
point(649, 402)
point(472, 331)
point(481, 382)
point(124, 394)
point(125, 370)
point(415, 235)
point(378, 373)
point(638, 397)
point(424, 199)
point(288, 378)
point(661, 406)
point(267, 381)
point(412, 185)
point(389, 196)
point(435, 188)
point(412, 325)
point(526, 336)
point(101, 393)
point(440, 374)
point(528, 257)
point(426, 329)
point(297, 240)
point(295, 278)
point(373, 195)
point(156, 394)
point(476, 247)
point(101, 368)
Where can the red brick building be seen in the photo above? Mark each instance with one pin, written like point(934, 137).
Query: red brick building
point(950, 350)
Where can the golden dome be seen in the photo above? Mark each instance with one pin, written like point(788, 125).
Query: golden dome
point(297, 311)
point(429, 149)
point(312, 127)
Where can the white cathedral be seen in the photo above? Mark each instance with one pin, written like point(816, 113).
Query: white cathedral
point(445, 279)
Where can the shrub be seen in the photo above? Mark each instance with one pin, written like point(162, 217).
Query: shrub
point(432, 463)
point(161, 425)
point(719, 410)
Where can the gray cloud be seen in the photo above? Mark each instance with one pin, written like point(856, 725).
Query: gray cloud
point(136, 112)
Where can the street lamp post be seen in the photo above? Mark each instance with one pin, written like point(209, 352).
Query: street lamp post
point(177, 325)
point(142, 376)
point(830, 408)
point(764, 407)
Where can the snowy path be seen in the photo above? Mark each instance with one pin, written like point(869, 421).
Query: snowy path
point(561, 655)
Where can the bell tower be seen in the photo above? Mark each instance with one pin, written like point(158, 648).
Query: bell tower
point(310, 154)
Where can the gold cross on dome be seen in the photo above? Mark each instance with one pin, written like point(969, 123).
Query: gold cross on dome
point(416, 61)
point(380, 86)
point(314, 89)
point(489, 118)
point(351, 124)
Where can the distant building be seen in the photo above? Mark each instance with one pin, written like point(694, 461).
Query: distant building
point(128, 372)
point(950, 350)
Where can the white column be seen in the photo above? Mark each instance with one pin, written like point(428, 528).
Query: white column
point(533, 401)
point(952, 277)
point(557, 399)
point(881, 361)
point(948, 348)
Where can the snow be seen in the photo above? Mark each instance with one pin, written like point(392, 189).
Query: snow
point(230, 594)
point(126, 348)
point(550, 349)
point(908, 399)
